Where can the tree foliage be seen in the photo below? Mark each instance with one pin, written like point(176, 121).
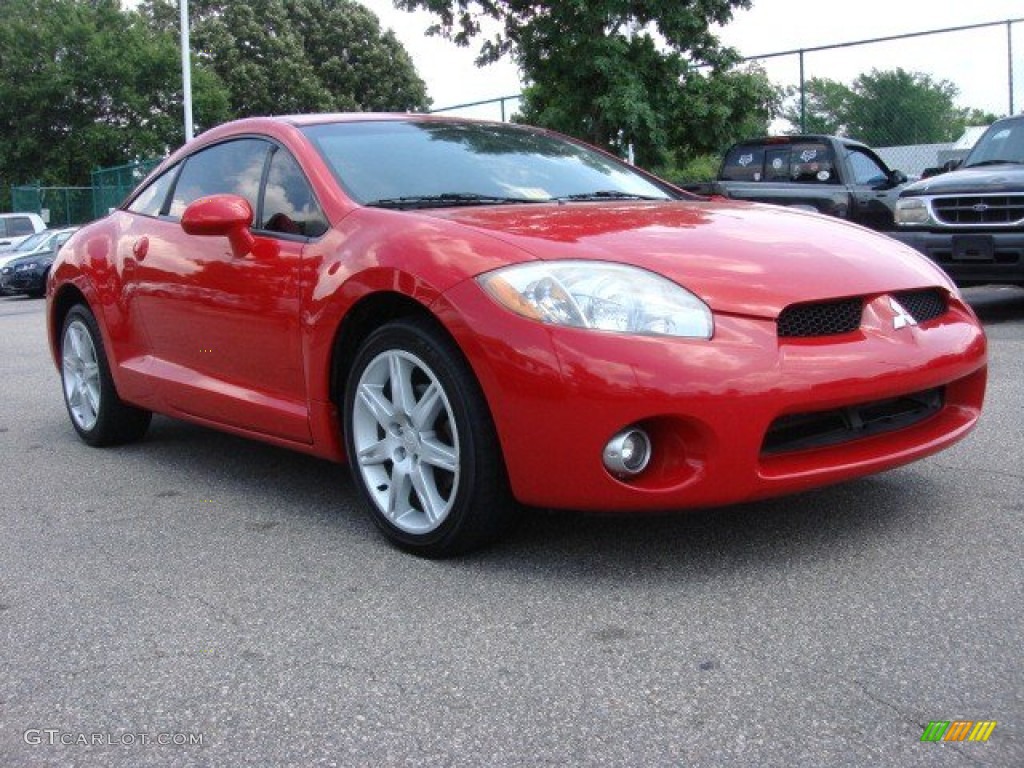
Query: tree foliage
point(291, 56)
point(885, 108)
point(616, 72)
point(86, 84)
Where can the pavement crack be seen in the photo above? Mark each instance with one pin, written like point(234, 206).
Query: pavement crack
point(910, 719)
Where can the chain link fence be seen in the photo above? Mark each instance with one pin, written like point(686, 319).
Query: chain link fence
point(876, 91)
point(915, 120)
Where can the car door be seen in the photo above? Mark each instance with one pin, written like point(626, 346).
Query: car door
point(873, 192)
point(221, 328)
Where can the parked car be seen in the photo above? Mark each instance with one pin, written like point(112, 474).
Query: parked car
point(15, 227)
point(970, 221)
point(26, 271)
point(26, 246)
point(479, 314)
point(827, 174)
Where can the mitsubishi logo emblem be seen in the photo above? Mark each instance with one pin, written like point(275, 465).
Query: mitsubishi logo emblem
point(902, 318)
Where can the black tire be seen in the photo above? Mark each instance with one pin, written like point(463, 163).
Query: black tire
point(97, 413)
point(435, 461)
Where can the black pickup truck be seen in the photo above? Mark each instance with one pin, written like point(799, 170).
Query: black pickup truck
point(971, 220)
point(827, 174)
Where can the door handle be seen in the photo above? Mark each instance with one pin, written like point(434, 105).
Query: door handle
point(141, 248)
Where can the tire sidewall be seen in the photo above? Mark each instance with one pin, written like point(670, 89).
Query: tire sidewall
point(100, 433)
point(444, 361)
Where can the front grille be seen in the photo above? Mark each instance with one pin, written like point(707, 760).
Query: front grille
point(924, 305)
point(989, 209)
point(801, 431)
point(828, 318)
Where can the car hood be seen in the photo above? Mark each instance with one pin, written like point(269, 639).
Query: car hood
point(1005, 177)
point(741, 258)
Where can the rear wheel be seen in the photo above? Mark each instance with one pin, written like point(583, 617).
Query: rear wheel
point(97, 413)
point(422, 444)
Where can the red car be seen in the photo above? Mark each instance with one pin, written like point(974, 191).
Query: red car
point(481, 314)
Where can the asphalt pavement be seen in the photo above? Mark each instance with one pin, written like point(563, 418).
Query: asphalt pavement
point(200, 600)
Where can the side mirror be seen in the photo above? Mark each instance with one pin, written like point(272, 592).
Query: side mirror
point(897, 177)
point(952, 165)
point(227, 216)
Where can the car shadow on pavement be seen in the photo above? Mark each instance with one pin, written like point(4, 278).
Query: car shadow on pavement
point(288, 488)
point(996, 303)
point(829, 523)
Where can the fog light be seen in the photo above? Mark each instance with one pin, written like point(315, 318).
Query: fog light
point(628, 453)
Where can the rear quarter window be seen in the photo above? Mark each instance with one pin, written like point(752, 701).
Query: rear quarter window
point(812, 164)
point(743, 164)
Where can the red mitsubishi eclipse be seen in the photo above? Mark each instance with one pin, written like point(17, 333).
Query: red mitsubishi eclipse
point(482, 315)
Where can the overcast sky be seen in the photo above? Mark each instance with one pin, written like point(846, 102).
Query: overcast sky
point(975, 61)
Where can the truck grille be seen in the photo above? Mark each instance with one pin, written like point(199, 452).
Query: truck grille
point(988, 209)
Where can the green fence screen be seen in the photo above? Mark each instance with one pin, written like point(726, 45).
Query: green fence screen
point(110, 186)
point(59, 206)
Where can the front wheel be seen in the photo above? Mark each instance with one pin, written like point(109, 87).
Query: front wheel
point(98, 415)
point(422, 444)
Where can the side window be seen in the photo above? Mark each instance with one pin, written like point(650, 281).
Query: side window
point(150, 201)
point(289, 205)
point(743, 163)
point(812, 164)
point(235, 168)
point(20, 225)
point(866, 169)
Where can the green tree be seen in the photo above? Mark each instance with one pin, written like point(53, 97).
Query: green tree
point(885, 108)
point(291, 56)
point(615, 72)
point(84, 84)
point(826, 105)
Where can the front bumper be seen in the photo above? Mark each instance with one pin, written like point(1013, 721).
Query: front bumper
point(557, 395)
point(971, 258)
point(23, 282)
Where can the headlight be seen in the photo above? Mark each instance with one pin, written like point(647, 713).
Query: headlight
point(600, 296)
point(25, 267)
point(911, 210)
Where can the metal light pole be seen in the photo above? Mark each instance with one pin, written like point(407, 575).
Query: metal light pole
point(186, 69)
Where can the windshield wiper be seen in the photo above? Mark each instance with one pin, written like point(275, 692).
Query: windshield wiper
point(605, 194)
point(994, 162)
point(446, 199)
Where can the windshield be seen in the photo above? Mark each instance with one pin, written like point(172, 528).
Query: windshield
point(1002, 143)
point(32, 242)
point(434, 164)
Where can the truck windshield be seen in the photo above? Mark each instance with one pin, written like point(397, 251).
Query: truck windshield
point(1002, 143)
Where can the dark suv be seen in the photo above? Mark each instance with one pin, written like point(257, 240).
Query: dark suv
point(971, 220)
